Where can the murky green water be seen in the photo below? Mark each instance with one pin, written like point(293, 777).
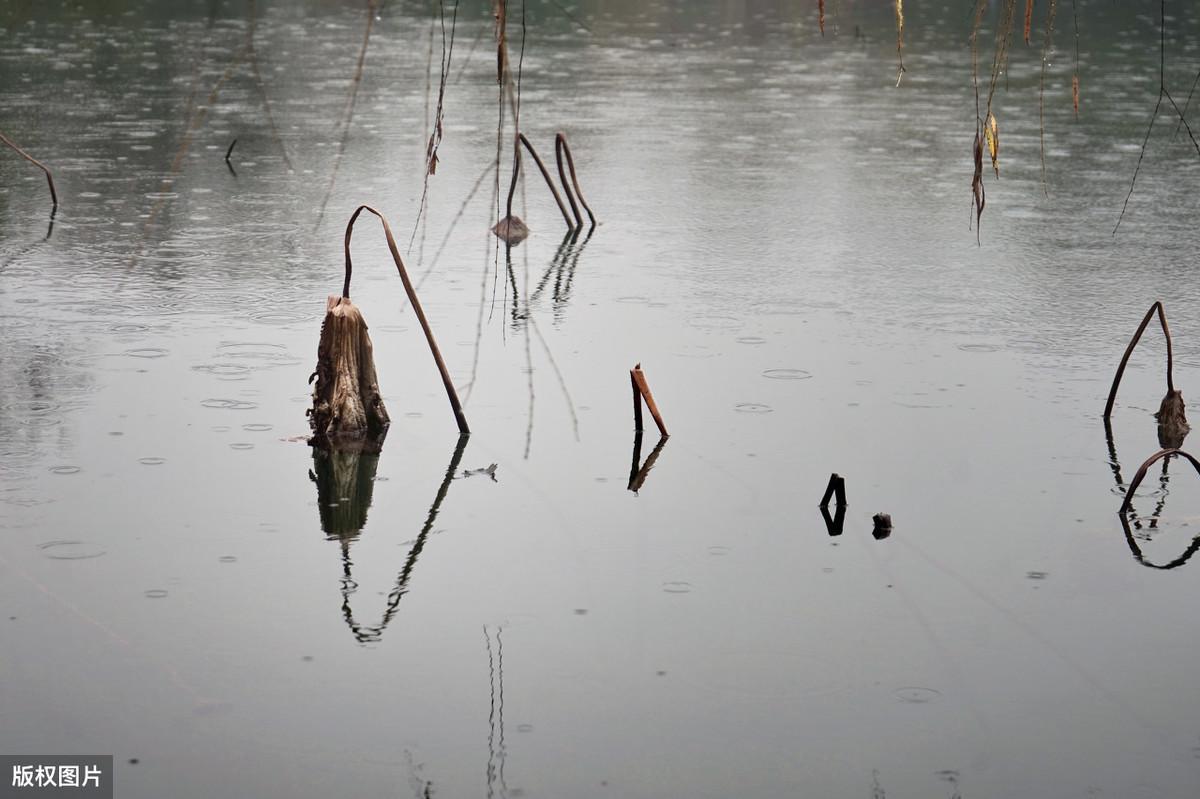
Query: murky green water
point(784, 248)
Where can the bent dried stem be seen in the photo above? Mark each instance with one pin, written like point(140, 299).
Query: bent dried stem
point(561, 148)
point(1157, 307)
point(38, 164)
point(451, 394)
point(545, 176)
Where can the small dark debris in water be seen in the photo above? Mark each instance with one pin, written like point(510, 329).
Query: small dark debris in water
point(580, 611)
point(660, 673)
point(489, 470)
point(1036, 575)
point(307, 658)
point(133, 761)
point(12, 618)
point(883, 525)
point(511, 230)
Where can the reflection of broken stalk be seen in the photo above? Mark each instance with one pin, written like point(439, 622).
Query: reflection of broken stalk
point(416, 305)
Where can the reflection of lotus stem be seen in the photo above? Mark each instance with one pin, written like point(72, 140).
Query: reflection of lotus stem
point(416, 304)
point(1141, 472)
point(561, 148)
point(38, 164)
point(1162, 318)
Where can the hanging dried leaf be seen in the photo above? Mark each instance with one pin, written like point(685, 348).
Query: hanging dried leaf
point(977, 192)
point(900, 38)
point(821, 15)
point(992, 134)
point(433, 162)
point(1028, 19)
point(1075, 93)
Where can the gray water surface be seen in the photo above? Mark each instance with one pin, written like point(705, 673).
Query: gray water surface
point(783, 246)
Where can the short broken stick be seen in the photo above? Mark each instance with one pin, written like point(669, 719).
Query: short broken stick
point(836, 488)
point(643, 390)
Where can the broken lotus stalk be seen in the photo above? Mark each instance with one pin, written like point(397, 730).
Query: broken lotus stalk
point(1172, 418)
point(347, 406)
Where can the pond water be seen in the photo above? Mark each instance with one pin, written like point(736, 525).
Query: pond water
point(783, 246)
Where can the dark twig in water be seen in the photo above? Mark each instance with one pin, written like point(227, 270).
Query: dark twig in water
point(1162, 319)
point(38, 164)
point(416, 306)
point(228, 153)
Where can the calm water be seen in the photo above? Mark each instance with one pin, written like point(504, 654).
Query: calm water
point(784, 248)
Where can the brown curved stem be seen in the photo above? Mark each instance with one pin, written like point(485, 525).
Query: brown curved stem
point(38, 164)
point(545, 176)
point(1162, 318)
point(416, 305)
point(561, 147)
point(1141, 472)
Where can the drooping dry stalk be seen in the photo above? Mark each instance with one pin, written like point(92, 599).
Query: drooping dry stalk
point(262, 90)
point(1141, 472)
point(1157, 307)
point(38, 164)
point(900, 38)
point(1046, 47)
point(348, 113)
point(549, 182)
point(451, 394)
point(435, 136)
point(1162, 92)
point(1028, 20)
point(643, 391)
point(821, 15)
point(561, 148)
point(1075, 71)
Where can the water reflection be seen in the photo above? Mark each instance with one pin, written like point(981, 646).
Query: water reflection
point(345, 482)
point(639, 471)
point(496, 782)
point(834, 524)
point(562, 270)
point(1141, 528)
